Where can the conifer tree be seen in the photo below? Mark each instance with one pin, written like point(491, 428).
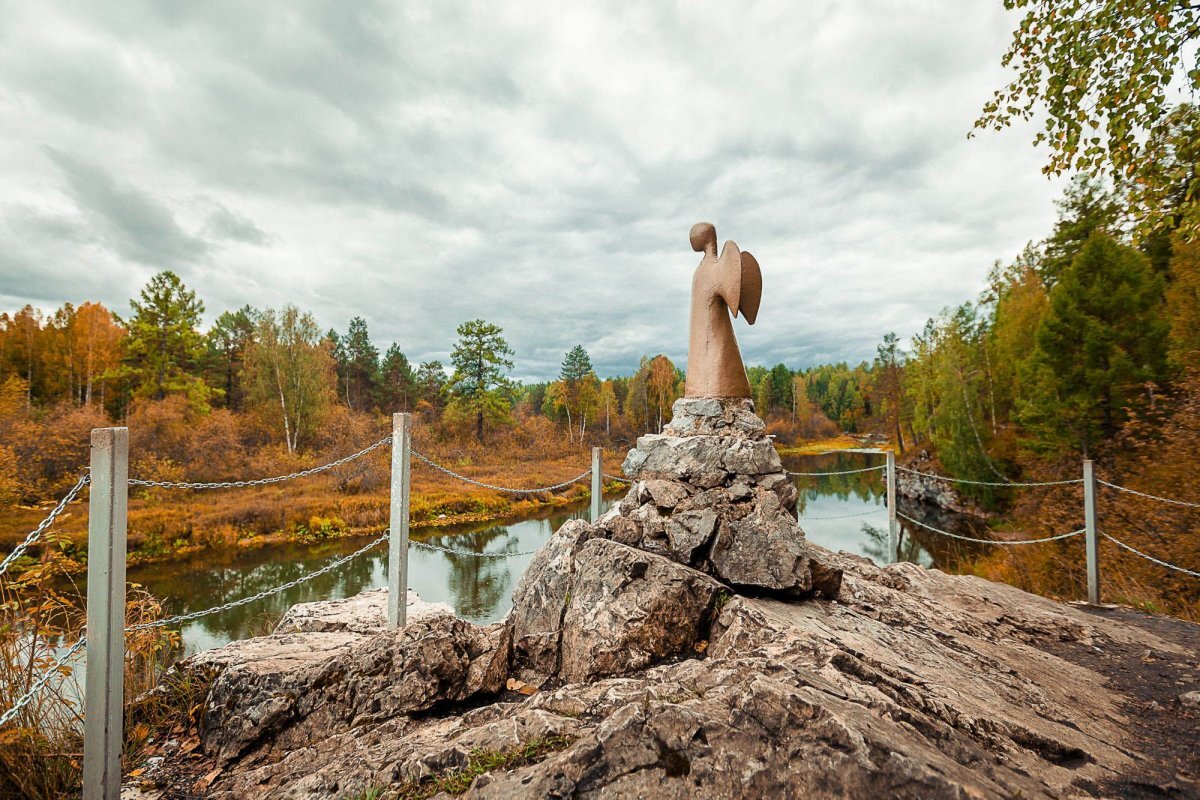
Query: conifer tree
point(1101, 344)
point(165, 347)
point(480, 359)
point(397, 383)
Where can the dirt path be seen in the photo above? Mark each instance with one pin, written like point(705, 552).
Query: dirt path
point(1168, 731)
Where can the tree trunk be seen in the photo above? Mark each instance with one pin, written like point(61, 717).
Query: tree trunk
point(479, 425)
point(287, 428)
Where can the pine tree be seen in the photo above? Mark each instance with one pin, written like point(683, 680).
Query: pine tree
point(361, 365)
point(227, 341)
point(1102, 341)
point(576, 368)
point(431, 384)
point(397, 383)
point(165, 347)
point(1086, 207)
point(480, 359)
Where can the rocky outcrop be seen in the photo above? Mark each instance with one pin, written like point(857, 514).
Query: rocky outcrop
point(710, 492)
point(655, 655)
point(932, 491)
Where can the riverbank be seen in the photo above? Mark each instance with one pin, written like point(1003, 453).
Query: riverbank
point(844, 442)
point(166, 524)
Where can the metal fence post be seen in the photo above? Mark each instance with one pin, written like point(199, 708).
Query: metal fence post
point(893, 538)
point(398, 535)
point(597, 483)
point(104, 696)
point(1093, 540)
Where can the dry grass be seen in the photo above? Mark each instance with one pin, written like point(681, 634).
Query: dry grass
point(41, 751)
point(168, 524)
point(817, 446)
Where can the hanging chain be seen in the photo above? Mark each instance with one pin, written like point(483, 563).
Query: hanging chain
point(158, 623)
point(987, 483)
point(839, 472)
point(37, 532)
point(474, 482)
point(990, 541)
point(41, 682)
point(440, 549)
point(263, 481)
point(1148, 557)
point(1183, 503)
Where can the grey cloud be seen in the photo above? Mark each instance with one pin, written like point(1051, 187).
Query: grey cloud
point(225, 224)
point(538, 166)
point(127, 219)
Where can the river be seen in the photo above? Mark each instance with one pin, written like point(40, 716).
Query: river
point(841, 512)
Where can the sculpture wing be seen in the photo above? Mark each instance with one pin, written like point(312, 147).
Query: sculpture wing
point(750, 294)
point(728, 283)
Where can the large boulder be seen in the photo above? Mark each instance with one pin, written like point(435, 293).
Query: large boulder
point(589, 607)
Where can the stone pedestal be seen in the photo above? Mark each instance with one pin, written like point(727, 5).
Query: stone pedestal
point(710, 492)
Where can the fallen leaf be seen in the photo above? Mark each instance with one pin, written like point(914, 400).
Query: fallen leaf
point(207, 780)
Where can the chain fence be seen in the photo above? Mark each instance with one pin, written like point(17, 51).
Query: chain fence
point(843, 516)
point(1127, 490)
point(263, 481)
point(40, 683)
point(332, 565)
point(37, 532)
point(1149, 557)
point(540, 490)
point(989, 541)
point(451, 551)
point(987, 483)
point(616, 478)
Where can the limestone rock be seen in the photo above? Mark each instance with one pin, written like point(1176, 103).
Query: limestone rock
point(590, 607)
point(364, 613)
point(710, 492)
point(819, 675)
point(916, 685)
point(434, 659)
point(629, 609)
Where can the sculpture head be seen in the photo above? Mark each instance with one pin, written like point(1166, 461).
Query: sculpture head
point(704, 238)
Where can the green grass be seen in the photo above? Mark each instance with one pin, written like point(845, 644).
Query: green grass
point(457, 781)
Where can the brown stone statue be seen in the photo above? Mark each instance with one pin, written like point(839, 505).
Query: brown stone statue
point(732, 282)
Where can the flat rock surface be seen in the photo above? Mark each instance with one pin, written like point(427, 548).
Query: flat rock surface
point(365, 613)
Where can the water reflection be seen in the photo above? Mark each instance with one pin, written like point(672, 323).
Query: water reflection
point(478, 589)
point(849, 513)
point(839, 512)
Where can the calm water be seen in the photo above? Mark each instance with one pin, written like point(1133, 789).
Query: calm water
point(480, 589)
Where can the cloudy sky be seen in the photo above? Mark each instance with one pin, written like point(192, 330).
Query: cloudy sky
point(421, 164)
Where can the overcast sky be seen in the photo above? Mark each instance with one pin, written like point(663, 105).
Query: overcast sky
point(537, 166)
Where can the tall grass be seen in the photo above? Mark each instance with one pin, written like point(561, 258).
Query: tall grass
point(41, 612)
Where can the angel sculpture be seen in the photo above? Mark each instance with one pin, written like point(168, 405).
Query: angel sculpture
point(732, 282)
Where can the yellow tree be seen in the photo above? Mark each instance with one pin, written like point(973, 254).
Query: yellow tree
point(96, 348)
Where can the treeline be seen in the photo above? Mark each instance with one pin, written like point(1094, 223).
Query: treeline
point(258, 381)
point(1085, 332)
point(261, 388)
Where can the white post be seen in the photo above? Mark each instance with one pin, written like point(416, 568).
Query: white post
point(105, 693)
point(597, 483)
point(398, 536)
point(893, 528)
point(1093, 538)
